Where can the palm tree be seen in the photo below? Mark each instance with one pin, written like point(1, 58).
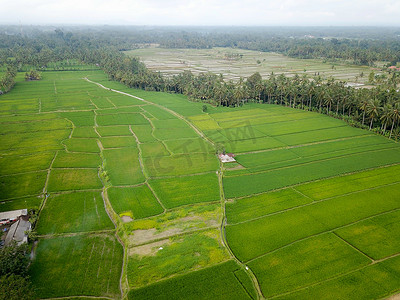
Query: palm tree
point(363, 106)
point(310, 93)
point(395, 116)
point(329, 99)
point(386, 116)
point(373, 108)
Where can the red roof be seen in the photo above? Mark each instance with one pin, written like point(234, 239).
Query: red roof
point(230, 154)
point(392, 67)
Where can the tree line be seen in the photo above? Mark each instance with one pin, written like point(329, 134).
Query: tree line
point(375, 109)
point(37, 46)
point(7, 82)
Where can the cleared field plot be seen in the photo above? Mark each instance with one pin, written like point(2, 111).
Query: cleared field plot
point(154, 149)
point(197, 145)
point(80, 118)
point(217, 282)
point(256, 183)
point(84, 132)
point(123, 166)
point(78, 265)
point(148, 263)
point(121, 119)
point(82, 145)
point(15, 186)
point(305, 263)
point(73, 179)
point(174, 222)
point(179, 191)
point(76, 160)
point(118, 142)
point(178, 133)
point(74, 212)
point(29, 202)
point(272, 232)
point(106, 131)
point(180, 164)
point(377, 237)
point(174, 61)
point(256, 206)
point(137, 202)
point(372, 282)
point(143, 133)
point(17, 164)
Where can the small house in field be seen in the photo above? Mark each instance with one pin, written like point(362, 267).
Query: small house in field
point(16, 224)
point(17, 232)
point(8, 217)
point(227, 157)
point(393, 68)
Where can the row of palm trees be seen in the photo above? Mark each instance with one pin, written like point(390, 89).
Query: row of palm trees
point(7, 81)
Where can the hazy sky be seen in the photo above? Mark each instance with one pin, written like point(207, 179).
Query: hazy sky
point(202, 12)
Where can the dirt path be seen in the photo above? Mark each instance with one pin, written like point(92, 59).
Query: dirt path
point(225, 242)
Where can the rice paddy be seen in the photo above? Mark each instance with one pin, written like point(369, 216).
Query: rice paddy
point(129, 189)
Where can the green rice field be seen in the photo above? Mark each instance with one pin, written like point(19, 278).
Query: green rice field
point(133, 202)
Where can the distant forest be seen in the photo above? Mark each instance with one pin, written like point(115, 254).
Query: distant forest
point(357, 45)
point(378, 109)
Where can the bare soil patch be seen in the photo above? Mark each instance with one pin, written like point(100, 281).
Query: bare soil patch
point(149, 249)
point(126, 219)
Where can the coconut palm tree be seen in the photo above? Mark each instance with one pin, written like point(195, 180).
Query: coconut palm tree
point(395, 116)
point(373, 110)
point(363, 106)
point(330, 98)
point(310, 92)
point(386, 116)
